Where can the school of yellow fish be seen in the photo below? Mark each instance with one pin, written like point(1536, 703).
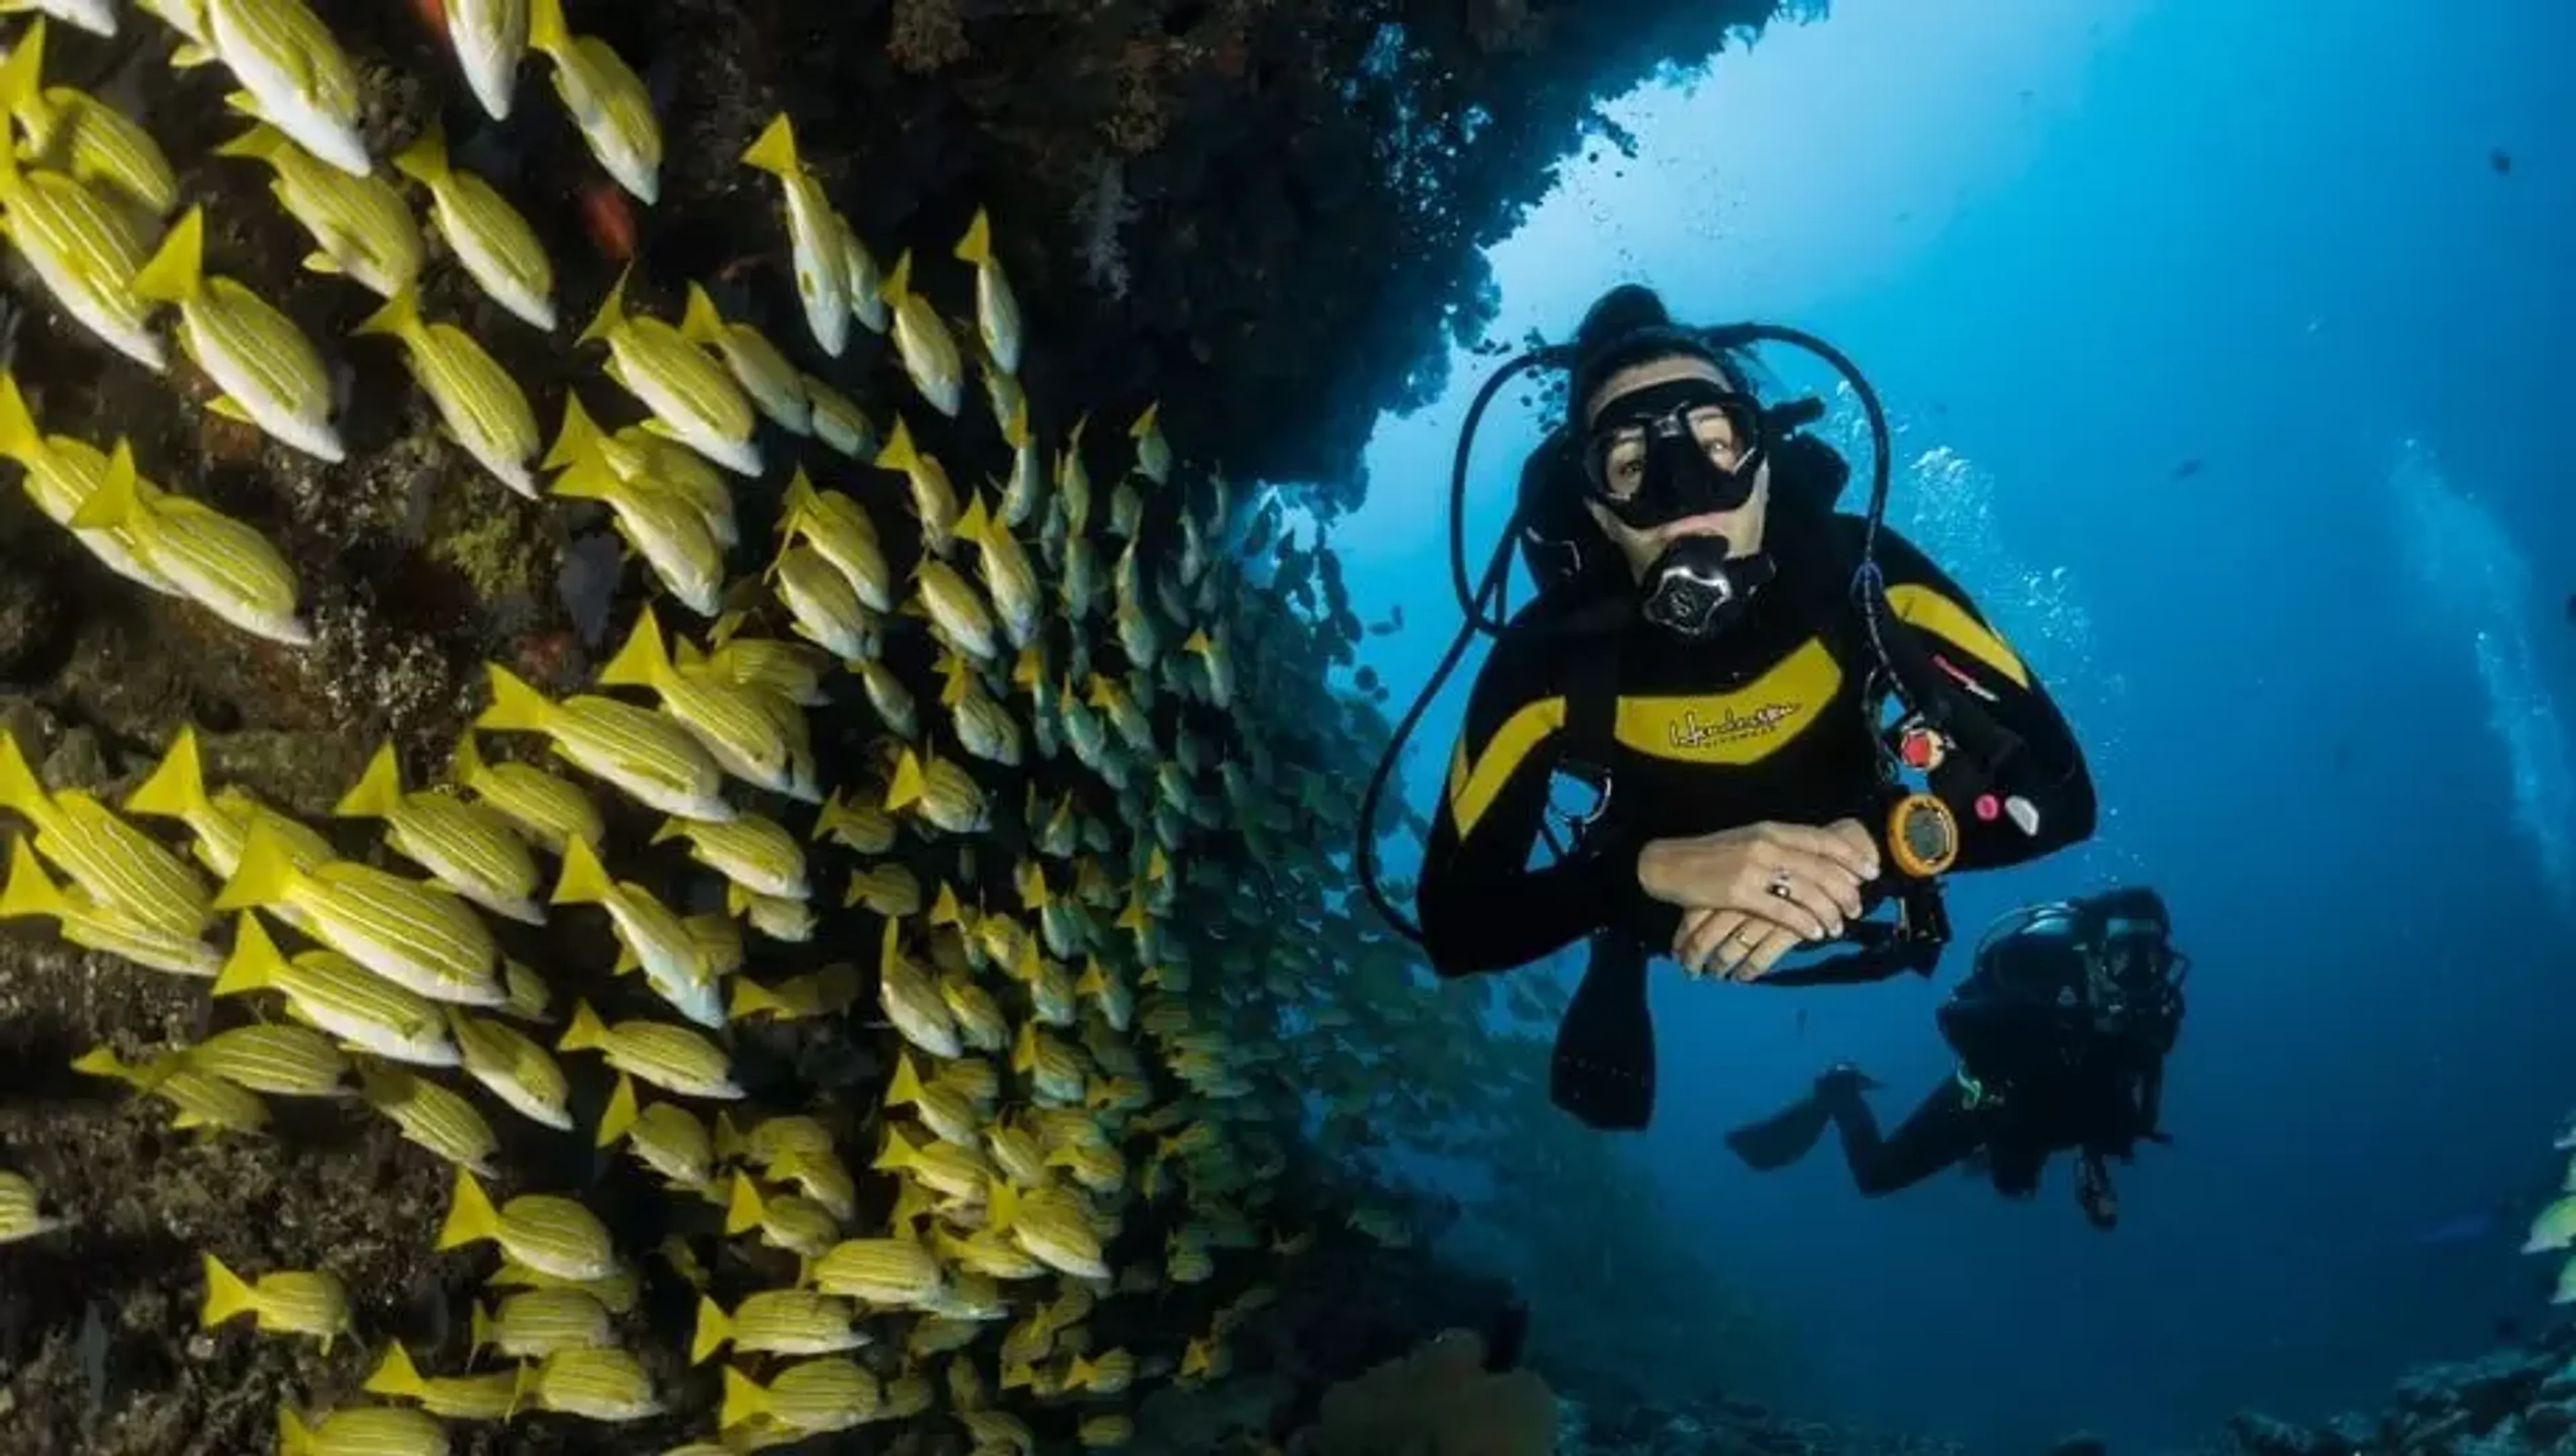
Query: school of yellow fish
point(1088, 1026)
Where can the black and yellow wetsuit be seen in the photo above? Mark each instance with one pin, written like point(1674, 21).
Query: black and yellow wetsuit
point(1768, 721)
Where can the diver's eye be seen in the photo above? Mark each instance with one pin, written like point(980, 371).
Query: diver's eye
point(1624, 468)
point(1715, 430)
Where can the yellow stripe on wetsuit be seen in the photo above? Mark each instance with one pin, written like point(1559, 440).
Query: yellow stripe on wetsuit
point(1929, 610)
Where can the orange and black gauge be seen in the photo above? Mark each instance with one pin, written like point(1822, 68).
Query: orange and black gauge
point(1922, 835)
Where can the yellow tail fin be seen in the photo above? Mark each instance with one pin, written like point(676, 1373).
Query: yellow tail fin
point(1145, 422)
point(977, 246)
point(612, 309)
point(378, 792)
point(294, 1438)
point(744, 1400)
point(908, 783)
point(644, 662)
point(399, 318)
point(396, 1375)
point(176, 788)
point(774, 151)
point(516, 707)
point(118, 498)
point(714, 1331)
point(742, 1211)
point(1003, 1204)
point(546, 29)
point(897, 453)
point(266, 875)
point(898, 283)
point(255, 964)
point(579, 438)
point(20, 791)
point(1015, 430)
point(587, 1032)
point(621, 1112)
point(226, 1295)
point(974, 524)
point(177, 272)
point(728, 1139)
point(906, 1088)
point(471, 1218)
point(262, 143)
point(1024, 1052)
point(700, 324)
point(22, 76)
point(588, 480)
point(98, 1061)
point(750, 999)
point(425, 160)
point(20, 440)
point(29, 892)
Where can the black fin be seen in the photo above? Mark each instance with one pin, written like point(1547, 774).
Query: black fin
point(1604, 1069)
point(1785, 1136)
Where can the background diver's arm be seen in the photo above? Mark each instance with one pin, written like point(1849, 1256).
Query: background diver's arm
point(1986, 670)
point(1483, 907)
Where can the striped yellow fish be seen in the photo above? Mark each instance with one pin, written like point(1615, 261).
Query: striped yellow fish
point(289, 1302)
point(673, 960)
point(86, 251)
point(724, 719)
point(822, 606)
point(22, 1211)
point(202, 1102)
point(912, 1002)
point(375, 1430)
point(811, 1396)
point(790, 671)
point(891, 699)
point(664, 1136)
point(339, 996)
point(839, 422)
point(838, 527)
point(412, 934)
point(1025, 492)
point(270, 374)
point(672, 1058)
point(545, 810)
point(997, 310)
point(772, 915)
point(465, 846)
point(491, 38)
point(514, 1068)
point(72, 132)
point(29, 894)
point(1153, 452)
point(951, 1170)
point(536, 1324)
point(887, 890)
point(303, 83)
point(984, 728)
point(671, 534)
point(617, 1292)
point(750, 850)
point(956, 611)
point(855, 824)
point(497, 247)
point(828, 991)
point(601, 1384)
point(482, 406)
point(777, 1322)
point(360, 225)
point(61, 474)
point(940, 792)
point(1053, 1068)
point(642, 458)
point(1007, 572)
point(642, 752)
point(686, 390)
point(813, 236)
point(786, 1220)
point(775, 387)
point(431, 1116)
point(934, 500)
point(894, 1271)
point(213, 560)
point(979, 1017)
point(923, 342)
point(606, 98)
point(548, 1234)
point(284, 1061)
point(866, 281)
point(486, 1397)
point(111, 861)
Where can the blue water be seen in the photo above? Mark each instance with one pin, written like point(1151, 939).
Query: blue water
point(2326, 680)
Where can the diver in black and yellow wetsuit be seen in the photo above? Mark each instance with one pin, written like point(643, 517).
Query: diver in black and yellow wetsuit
point(1728, 715)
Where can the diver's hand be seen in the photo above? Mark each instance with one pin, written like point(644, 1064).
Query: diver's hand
point(1802, 878)
point(1735, 945)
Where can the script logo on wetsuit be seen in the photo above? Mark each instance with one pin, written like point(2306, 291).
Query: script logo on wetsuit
point(1688, 732)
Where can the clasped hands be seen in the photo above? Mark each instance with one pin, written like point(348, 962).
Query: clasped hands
point(1751, 895)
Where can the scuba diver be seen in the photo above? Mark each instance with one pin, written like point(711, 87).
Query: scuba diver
point(2061, 1030)
point(1715, 654)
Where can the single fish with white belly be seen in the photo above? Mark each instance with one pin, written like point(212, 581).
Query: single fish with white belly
point(336, 994)
point(607, 100)
point(934, 500)
point(497, 247)
point(60, 475)
point(215, 561)
point(776, 387)
point(686, 390)
point(412, 934)
point(30, 894)
point(997, 310)
point(284, 56)
point(722, 717)
point(666, 529)
point(469, 848)
point(360, 225)
point(649, 935)
point(86, 251)
point(649, 756)
point(929, 353)
point(491, 38)
point(270, 374)
point(814, 237)
point(74, 132)
point(482, 406)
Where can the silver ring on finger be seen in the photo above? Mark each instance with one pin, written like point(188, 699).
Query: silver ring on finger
point(1780, 884)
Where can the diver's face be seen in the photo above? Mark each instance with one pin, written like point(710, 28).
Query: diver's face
point(1623, 465)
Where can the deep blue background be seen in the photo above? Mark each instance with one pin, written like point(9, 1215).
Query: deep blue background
point(2077, 245)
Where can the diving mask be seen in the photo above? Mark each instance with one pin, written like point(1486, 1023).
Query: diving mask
point(1685, 447)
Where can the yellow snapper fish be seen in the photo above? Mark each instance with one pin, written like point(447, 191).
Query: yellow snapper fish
point(61, 475)
point(657, 941)
point(543, 809)
point(497, 247)
point(955, 609)
point(430, 1116)
point(546, 1233)
point(774, 916)
point(997, 312)
point(644, 753)
point(299, 78)
point(984, 728)
point(415, 935)
point(665, 1137)
point(670, 534)
point(98, 17)
point(808, 1398)
point(22, 1213)
point(892, 700)
point(607, 100)
point(486, 1397)
point(203, 1103)
point(912, 1003)
point(726, 720)
point(866, 281)
point(939, 791)
point(491, 38)
point(776, 387)
point(270, 374)
point(1025, 491)
point(360, 225)
point(86, 252)
point(340, 996)
point(463, 845)
point(838, 422)
point(814, 236)
point(825, 992)
point(785, 1221)
point(854, 824)
point(639, 456)
point(360, 1430)
point(481, 404)
point(29, 894)
point(600, 1384)
point(888, 890)
point(288, 1302)
point(672, 1058)
point(514, 1068)
point(76, 133)
point(777, 1322)
point(113, 862)
point(930, 357)
point(213, 560)
point(822, 606)
point(1153, 452)
point(1007, 573)
point(934, 500)
point(888, 1271)
point(687, 391)
point(838, 527)
point(753, 852)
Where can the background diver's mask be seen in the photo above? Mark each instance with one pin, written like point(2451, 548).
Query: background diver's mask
point(1685, 447)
